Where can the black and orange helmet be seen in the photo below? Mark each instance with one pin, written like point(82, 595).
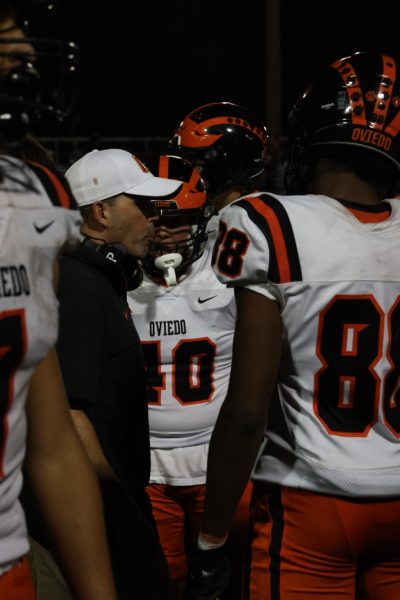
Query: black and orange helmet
point(38, 76)
point(351, 109)
point(225, 142)
point(189, 205)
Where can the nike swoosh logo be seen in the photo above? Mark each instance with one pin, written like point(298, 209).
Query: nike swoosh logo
point(201, 301)
point(41, 229)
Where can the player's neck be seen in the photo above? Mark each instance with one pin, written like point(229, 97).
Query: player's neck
point(225, 198)
point(344, 186)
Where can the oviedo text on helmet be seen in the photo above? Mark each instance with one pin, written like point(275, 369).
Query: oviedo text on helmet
point(371, 137)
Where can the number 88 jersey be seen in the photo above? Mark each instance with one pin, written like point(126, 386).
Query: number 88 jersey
point(334, 269)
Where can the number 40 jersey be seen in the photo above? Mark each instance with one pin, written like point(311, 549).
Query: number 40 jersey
point(187, 333)
point(334, 269)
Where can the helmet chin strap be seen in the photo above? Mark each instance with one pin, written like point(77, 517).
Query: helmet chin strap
point(168, 263)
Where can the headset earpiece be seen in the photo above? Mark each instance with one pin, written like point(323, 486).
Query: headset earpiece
point(117, 255)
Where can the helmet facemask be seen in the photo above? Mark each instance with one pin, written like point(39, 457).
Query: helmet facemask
point(38, 84)
point(180, 232)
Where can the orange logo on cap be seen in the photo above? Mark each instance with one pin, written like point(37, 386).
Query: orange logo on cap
point(141, 165)
point(163, 203)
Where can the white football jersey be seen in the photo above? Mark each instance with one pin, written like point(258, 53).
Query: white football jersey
point(35, 222)
point(187, 333)
point(334, 268)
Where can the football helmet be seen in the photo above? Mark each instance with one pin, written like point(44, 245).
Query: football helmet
point(351, 110)
point(181, 229)
point(37, 82)
point(224, 142)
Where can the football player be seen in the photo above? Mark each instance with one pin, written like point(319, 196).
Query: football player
point(185, 319)
point(37, 217)
point(228, 145)
point(317, 284)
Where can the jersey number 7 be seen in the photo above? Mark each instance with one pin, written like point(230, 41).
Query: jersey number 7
point(13, 344)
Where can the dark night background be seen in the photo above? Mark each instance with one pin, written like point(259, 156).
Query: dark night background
point(145, 65)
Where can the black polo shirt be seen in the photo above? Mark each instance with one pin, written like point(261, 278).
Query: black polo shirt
point(102, 362)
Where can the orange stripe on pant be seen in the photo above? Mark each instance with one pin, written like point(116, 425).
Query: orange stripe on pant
point(17, 584)
point(308, 546)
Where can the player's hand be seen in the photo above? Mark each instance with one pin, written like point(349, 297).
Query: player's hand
point(209, 574)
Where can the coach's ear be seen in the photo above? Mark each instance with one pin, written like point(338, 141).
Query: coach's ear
point(101, 213)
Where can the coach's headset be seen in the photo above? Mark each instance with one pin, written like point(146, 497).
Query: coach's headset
point(117, 255)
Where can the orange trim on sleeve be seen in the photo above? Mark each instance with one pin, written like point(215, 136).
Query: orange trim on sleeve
point(62, 195)
point(278, 239)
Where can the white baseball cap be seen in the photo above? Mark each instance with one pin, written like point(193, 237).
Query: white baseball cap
point(101, 174)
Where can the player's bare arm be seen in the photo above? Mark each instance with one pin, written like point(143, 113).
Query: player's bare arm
point(239, 430)
point(66, 487)
point(92, 446)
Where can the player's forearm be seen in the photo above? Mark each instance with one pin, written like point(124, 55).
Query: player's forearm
point(239, 430)
point(69, 496)
point(233, 451)
point(92, 446)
